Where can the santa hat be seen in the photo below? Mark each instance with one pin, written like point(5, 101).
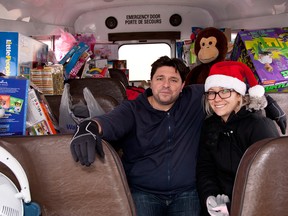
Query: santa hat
point(233, 74)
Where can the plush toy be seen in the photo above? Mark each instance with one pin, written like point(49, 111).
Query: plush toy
point(211, 46)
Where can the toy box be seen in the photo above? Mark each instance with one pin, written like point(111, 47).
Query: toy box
point(78, 54)
point(117, 64)
point(40, 120)
point(185, 52)
point(20, 53)
point(265, 51)
point(77, 70)
point(95, 68)
point(106, 51)
point(13, 105)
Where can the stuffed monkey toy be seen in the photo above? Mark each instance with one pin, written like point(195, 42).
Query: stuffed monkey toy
point(211, 46)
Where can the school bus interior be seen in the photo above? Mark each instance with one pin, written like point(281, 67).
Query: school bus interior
point(40, 16)
point(57, 183)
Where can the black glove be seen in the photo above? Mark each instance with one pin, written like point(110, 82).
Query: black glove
point(274, 112)
point(86, 142)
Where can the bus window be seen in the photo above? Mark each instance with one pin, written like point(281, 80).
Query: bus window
point(139, 58)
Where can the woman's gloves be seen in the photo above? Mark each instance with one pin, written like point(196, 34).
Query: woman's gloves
point(86, 142)
point(216, 206)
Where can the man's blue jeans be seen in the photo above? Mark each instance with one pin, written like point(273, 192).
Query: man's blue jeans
point(185, 204)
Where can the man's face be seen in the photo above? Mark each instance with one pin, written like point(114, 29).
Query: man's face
point(166, 86)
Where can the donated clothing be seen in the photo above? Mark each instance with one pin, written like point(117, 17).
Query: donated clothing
point(223, 144)
point(159, 147)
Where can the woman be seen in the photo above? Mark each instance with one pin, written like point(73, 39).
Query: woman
point(234, 123)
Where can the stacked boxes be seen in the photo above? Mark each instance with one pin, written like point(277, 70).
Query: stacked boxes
point(265, 51)
point(13, 105)
point(40, 121)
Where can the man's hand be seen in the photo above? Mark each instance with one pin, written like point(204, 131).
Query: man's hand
point(86, 142)
point(274, 112)
point(216, 206)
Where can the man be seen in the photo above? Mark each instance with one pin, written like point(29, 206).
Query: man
point(159, 132)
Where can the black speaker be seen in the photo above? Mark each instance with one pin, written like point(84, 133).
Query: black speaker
point(111, 22)
point(175, 20)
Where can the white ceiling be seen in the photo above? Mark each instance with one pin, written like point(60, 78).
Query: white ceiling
point(66, 12)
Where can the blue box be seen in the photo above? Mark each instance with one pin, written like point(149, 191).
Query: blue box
point(13, 105)
point(20, 53)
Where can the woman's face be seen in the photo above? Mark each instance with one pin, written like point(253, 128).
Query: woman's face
point(229, 102)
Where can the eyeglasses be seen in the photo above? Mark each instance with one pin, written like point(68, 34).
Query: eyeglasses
point(223, 94)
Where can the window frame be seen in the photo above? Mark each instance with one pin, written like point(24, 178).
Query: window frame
point(170, 43)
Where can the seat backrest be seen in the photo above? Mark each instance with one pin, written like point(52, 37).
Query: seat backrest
point(62, 187)
point(107, 91)
point(261, 184)
point(106, 102)
point(99, 86)
point(119, 74)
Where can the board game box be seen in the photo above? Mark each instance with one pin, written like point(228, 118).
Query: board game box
point(265, 51)
point(13, 105)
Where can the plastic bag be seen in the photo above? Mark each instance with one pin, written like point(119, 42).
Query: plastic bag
point(64, 44)
point(72, 114)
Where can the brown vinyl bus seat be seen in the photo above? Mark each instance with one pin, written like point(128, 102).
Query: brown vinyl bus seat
point(107, 91)
point(261, 184)
point(62, 187)
point(120, 75)
point(99, 86)
point(106, 102)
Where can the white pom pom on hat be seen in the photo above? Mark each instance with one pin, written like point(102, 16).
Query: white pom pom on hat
point(233, 74)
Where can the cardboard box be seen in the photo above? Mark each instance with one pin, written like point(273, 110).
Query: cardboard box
point(20, 53)
point(106, 51)
point(100, 63)
point(49, 80)
point(13, 100)
point(117, 64)
point(70, 60)
point(77, 70)
point(39, 118)
point(265, 51)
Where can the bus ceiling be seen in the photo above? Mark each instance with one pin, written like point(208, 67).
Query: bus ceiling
point(104, 17)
